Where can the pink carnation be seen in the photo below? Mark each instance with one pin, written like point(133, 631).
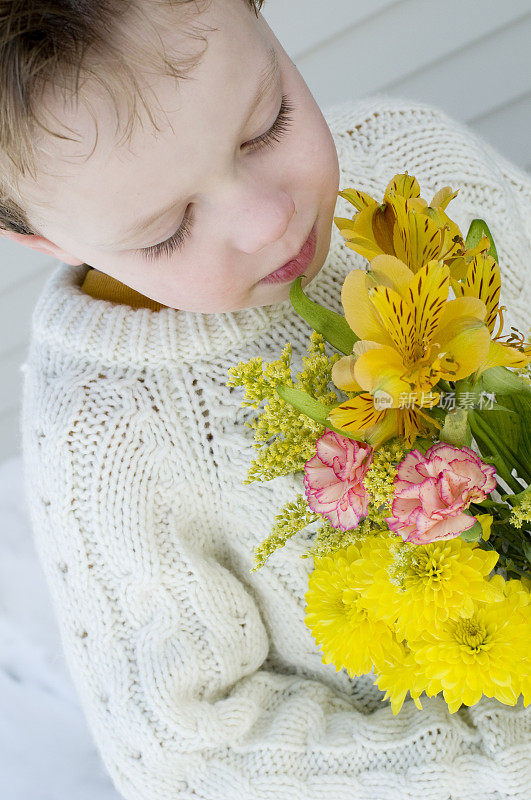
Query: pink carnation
point(432, 491)
point(333, 480)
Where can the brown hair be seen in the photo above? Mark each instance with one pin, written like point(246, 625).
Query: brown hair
point(49, 45)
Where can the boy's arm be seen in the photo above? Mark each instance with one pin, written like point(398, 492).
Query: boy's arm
point(165, 645)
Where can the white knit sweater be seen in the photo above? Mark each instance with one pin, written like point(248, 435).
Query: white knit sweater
point(198, 678)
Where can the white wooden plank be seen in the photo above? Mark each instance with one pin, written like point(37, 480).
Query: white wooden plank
point(16, 308)
point(490, 72)
point(405, 41)
point(508, 129)
point(17, 263)
point(9, 434)
point(11, 383)
point(301, 25)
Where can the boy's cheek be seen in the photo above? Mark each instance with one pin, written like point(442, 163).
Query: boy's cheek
point(314, 152)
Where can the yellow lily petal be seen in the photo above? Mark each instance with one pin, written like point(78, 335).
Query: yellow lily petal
point(485, 520)
point(343, 374)
point(411, 422)
point(345, 225)
point(397, 317)
point(463, 352)
point(459, 265)
point(428, 293)
point(358, 237)
point(358, 198)
point(416, 238)
point(443, 197)
point(404, 185)
point(360, 313)
point(386, 428)
point(458, 268)
point(483, 281)
point(482, 246)
point(452, 244)
point(460, 307)
point(375, 224)
point(362, 246)
point(381, 369)
point(355, 414)
point(407, 423)
point(502, 355)
point(392, 272)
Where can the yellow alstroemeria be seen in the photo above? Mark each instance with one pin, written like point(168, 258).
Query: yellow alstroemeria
point(403, 225)
point(483, 282)
point(411, 336)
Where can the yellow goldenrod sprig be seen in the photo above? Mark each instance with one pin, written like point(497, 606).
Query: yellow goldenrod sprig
point(294, 516)
point(379, 480)
point(525, 372)
point(260, 384)
point(329, 539)
point(521, 511)
point(293, 434)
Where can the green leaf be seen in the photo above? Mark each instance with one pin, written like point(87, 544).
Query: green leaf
point(478, 227)
point(456, 429)
point(501, 380)
point(473, 534)
point(512, 429)
point(503, 430)
point(498, 435)
point(333, 327)
point(312, 408)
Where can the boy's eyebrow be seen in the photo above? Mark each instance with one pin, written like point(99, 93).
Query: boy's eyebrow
point(268, 78)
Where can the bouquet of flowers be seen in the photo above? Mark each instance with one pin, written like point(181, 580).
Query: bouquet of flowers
point(410, 425)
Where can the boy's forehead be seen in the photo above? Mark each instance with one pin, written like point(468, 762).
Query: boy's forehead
point(77, 173)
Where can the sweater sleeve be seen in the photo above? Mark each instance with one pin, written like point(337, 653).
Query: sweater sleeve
point(166, 646)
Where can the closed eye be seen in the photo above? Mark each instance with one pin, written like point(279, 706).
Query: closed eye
point(268, 139)
point(278, 128)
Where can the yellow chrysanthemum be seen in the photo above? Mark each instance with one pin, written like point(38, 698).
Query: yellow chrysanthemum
point(521, 587)
point(488, 653)
point(416, 587)
point(349, 635)
point(402, 675)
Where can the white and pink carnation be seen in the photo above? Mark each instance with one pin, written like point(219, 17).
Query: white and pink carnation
point(333, 480)
point(432, 491)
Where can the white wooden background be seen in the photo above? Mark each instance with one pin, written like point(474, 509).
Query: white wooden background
point(471, 59)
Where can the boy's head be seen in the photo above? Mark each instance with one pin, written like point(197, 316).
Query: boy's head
point(114, 111)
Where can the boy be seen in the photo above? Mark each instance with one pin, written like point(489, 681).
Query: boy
point(199, 678)
point(205, 175)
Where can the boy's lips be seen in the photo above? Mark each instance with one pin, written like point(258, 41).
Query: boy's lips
point(296, 266)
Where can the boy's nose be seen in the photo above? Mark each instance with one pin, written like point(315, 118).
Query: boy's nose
point(259, 218)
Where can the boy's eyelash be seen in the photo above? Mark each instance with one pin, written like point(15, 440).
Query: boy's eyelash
point(278, 129)
point(267, 139)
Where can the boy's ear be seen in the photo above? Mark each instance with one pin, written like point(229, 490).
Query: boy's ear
point(42, 244)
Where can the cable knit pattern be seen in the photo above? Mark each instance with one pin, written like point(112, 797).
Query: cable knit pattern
point(198, 678)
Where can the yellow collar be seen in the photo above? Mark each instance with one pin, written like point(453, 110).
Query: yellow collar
point(101, 286)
